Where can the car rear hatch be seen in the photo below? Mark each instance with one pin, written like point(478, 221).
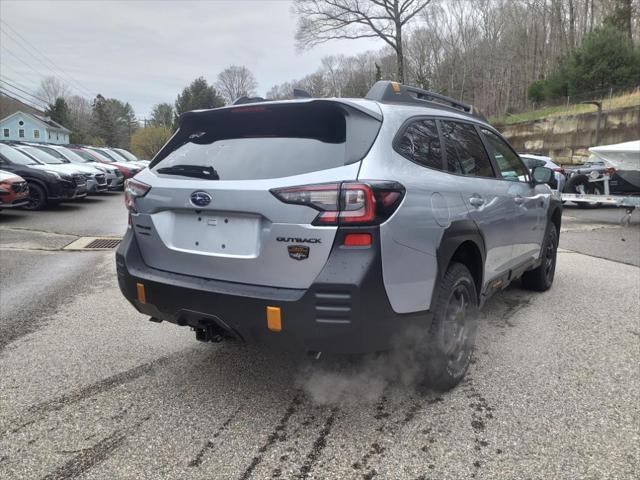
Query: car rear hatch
point(211, 212)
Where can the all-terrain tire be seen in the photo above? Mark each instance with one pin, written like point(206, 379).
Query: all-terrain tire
point(37, 197)
point(541, 278)
point(453, 330)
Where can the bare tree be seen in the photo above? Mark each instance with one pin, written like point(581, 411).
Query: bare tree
point(51, 88)
point(322, 20)
point(486, 52)
point(235, 82)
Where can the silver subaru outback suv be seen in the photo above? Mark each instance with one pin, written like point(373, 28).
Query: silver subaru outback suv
point(337, 225)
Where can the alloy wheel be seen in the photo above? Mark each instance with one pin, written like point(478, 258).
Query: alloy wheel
point(456, 329)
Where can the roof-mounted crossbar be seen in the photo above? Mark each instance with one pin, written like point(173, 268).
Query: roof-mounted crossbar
point(299, 93)
point(394, 92)
point(243, 100)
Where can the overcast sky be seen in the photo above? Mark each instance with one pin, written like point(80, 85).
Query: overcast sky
point(146, 52)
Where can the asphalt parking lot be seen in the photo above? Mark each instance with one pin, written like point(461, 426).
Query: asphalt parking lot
point(90, 389)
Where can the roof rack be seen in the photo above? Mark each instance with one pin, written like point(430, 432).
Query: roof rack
point(297, 93)
point(300, 93)
point(243, 100)
point(393, 92)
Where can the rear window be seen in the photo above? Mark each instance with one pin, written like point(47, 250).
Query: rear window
point(270, 141)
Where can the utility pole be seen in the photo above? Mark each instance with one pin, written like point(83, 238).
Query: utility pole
point(598, 104)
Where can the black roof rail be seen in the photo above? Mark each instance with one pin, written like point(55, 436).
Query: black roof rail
point(393, 92)
point(299, 93)
point(243, 100)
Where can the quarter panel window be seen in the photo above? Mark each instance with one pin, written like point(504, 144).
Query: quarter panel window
point(511, 168)
point(464, 150)
point(421, 143)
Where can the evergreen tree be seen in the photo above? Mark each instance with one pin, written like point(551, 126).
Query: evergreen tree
point(163, 115)
point(59, 112)
point(198, 95)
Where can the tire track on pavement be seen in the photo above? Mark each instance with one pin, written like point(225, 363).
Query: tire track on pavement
point(210, 445)
point(318, 445)
point(389, 428)
point(92, 456)
point(274, 435)
point(38, 411)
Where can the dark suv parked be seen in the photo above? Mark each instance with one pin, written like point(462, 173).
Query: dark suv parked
point(46, 185)
point(338, 225)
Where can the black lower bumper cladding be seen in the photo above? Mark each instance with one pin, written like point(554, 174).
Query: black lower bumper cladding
point(346, 310)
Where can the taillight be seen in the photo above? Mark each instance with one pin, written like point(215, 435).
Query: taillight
point(134, 189)
point(347, 203)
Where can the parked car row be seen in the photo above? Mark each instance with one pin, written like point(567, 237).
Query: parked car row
point(55, 173)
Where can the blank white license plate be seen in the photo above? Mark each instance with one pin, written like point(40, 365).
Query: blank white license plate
point(217, 234)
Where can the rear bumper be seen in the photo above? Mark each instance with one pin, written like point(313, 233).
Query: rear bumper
point(346, 310)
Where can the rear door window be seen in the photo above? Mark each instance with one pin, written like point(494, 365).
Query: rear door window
point(270, 141)
point(510, 165)
point(420, 143)
point(465, 152)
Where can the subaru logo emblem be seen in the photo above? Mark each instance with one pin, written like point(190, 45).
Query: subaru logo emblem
point(201, 199)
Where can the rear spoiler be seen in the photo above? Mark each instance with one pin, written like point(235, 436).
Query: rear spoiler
point(374, 113)
point(200, 126)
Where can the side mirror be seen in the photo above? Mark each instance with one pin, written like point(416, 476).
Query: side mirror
point(541, 175)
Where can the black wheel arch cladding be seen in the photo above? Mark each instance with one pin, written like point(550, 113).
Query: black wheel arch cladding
point(462, 242)
point(554, 213)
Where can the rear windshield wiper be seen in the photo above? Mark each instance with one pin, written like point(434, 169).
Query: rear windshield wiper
point(195, 171)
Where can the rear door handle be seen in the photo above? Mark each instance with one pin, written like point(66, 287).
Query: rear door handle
point(476, 201)
point(519, 200)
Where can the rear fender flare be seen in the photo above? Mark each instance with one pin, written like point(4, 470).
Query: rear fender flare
point(555, 212)
point(454, 235)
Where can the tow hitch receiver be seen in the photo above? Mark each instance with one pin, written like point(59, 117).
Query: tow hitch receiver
point(209, 333)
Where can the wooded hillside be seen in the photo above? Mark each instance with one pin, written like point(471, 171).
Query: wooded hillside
point(486, 52)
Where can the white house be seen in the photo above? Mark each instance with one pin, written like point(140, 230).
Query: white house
point(28, 127)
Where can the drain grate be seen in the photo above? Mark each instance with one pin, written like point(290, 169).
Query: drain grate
point(104, 243)
point(93, 243)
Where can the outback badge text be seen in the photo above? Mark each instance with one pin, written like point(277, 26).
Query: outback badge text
point(298, 240)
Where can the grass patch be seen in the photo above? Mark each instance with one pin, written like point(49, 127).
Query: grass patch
point(621, 101)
